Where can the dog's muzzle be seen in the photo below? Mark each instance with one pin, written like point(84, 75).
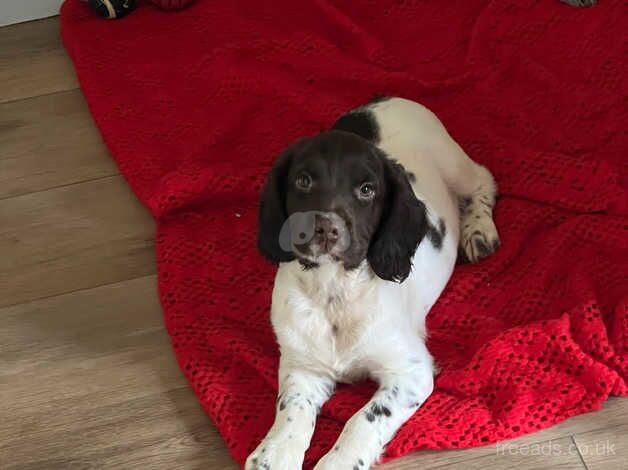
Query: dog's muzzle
point(312, 234)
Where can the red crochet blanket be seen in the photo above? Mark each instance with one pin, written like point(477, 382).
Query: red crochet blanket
point(195, 105)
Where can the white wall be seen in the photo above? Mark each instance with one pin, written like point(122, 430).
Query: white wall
point(16, 11)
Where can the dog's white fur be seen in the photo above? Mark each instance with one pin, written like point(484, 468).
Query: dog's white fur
point(334, 325)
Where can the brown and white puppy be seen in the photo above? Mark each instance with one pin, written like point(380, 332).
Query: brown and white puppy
point(365, 221)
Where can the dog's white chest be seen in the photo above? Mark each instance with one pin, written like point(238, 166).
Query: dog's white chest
point(325, 318)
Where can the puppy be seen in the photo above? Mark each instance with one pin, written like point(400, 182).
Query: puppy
point(365, 221)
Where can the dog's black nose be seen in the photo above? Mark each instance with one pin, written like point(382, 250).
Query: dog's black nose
point(326, 231)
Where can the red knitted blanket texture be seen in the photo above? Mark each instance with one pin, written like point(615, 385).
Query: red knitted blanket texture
point(195, 105)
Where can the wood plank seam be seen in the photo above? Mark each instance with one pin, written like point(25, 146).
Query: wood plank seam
point(40, 95)
point(83, 289)
point(575, 444)
point(59, 186)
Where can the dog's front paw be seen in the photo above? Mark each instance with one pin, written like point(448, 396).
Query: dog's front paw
point(580, 3)
point(274, 454)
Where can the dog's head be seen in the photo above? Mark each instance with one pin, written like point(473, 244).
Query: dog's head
point(336, 197)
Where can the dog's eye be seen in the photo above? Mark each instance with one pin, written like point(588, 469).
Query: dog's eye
point(367, 191)
point(304, 182)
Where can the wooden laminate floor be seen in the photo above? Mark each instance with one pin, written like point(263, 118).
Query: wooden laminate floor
point(87, 376)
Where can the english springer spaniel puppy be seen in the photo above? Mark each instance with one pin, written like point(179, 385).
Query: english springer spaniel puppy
point(365, 221)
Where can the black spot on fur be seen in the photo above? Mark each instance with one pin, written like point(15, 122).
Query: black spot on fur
point(395, 390)
point(282, 406)
point(370, 416)
point(411, 176)
point(307, 265)
point(361, 122)
point(334, 328)
point(289, 419)
point(378, 99)
point(355, 467)
point(336, 448)
point(436, 235)
point(360, 462)
point(378, 410)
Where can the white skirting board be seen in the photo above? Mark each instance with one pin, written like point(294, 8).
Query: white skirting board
point(16, 11)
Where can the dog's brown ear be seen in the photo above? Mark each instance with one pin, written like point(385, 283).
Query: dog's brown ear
point(402, 227)
point(272, 211)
